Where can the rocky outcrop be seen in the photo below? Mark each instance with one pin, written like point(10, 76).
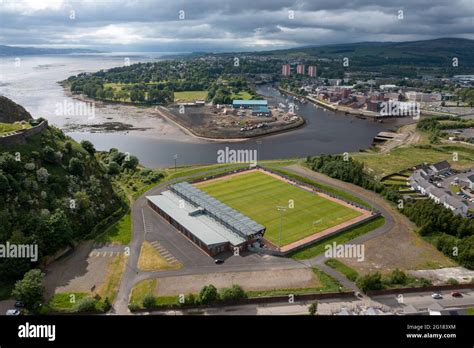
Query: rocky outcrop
point(11, 112)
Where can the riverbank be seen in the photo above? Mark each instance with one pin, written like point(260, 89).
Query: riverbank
point(199, 124)
point(333, 107)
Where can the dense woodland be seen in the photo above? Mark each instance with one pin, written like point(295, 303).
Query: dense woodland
point(440, 225)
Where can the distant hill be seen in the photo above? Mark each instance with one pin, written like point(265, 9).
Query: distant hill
point(25, 51)
point(11, 112)
point(426, 52)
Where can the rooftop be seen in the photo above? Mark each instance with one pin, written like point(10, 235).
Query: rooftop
point(260, 102)
point(224, 214)
point(202, 226)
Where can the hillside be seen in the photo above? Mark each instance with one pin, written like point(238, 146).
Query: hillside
point(437, 52)
point(11, 112)
point(53, 192)
point(24, 51)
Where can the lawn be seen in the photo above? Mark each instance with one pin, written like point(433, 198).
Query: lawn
point(110, 286)
point(242, 95)
point(66, 302)
point(151, 260)
point(257, 196)
point(11, 127)
point(119, 233)
point(190, 96)
point(406, 157)
point(342, 238)
point(350, 273)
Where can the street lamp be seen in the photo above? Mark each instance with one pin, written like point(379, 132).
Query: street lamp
point(175, 158)
point(281, 209)
point(259, 142)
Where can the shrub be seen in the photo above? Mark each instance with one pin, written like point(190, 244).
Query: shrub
point(208, 294)
point(398, 277)
point(233, 294)
point(452, 281)
point(149, 301)
point(86, 304)
point(370, 282)
point(313, 308)
point(133, 306)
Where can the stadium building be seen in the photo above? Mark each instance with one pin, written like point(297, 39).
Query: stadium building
point(209, 223)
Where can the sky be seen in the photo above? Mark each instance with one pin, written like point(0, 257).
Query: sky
point(225, 25)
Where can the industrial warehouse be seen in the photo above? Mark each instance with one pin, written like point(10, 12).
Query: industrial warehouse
point(209, 223)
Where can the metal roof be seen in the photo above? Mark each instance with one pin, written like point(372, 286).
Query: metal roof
point(260, 102)
point(224, 214)
point(206, 229)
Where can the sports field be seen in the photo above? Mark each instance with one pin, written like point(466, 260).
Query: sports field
point(190, 96)
point(257, 195)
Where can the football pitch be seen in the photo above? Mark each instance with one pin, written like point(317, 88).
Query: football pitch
point(258, 195)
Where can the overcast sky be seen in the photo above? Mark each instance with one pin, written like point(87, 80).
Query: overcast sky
point(225, 25)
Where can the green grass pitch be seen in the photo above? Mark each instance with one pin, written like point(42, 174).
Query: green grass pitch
point(257, 195)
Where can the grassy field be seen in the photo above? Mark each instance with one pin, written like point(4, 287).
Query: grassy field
point(11, 127)
point(111, 284)
point(350, 273)
point(118, 233)
point(344, 237)
point(151, 260)
point(257, 195)
point(407, 157)
point(190, 96)
point(242, 95)
point(66, 302)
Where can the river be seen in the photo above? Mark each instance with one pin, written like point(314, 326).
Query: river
point(32, 81)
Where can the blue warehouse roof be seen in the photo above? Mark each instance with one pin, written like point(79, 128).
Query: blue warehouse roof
point(260, 102)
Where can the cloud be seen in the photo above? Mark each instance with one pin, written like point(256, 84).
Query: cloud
point(193, 25)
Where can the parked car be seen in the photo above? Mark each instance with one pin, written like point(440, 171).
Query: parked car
point(13, 312)
point(456, 294)
point(437, 296)
point(218, 261)
point(19, 304)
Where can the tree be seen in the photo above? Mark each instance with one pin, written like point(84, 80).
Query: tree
point(370, 282)
point(113, 168)
point(88, 146)
point(42, 175)
point(130, 163)
point(29, 290)
point(4, 183)
point(233, 294)
point(76, 167)
point(208, 294)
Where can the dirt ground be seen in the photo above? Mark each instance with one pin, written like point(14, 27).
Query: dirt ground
point(209, 122)
point(461, 274)
point(400, 248)
point(255, 280)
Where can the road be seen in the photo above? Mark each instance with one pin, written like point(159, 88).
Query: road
point(420, 301)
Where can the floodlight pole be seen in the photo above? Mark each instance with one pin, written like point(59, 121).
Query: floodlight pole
point(281, 209)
